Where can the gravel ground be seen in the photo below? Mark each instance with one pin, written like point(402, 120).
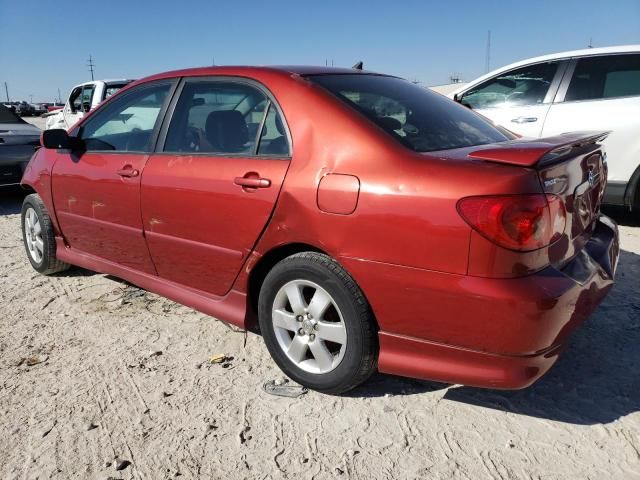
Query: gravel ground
point(99, 379)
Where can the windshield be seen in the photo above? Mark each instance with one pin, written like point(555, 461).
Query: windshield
point(421, 119)
point(7, 116)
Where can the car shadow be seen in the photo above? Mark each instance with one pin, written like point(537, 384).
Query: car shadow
point(11, 200)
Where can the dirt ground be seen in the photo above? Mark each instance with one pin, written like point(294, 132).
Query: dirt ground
point(99, 379)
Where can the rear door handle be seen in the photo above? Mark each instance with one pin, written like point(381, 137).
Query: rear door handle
point(252, 182)
point(128, 172)
point(524, 120)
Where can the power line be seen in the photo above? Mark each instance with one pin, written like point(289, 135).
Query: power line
point(488, 65)
point(91, 65)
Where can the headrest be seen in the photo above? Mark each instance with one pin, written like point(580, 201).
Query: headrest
point(226, 131)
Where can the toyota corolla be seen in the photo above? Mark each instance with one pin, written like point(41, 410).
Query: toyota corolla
point(358, 221)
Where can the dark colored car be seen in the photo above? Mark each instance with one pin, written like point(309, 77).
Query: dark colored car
point(359, 221)
point(25, 109)
point(18, 140)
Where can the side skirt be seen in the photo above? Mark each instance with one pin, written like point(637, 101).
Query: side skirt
point(230, 308)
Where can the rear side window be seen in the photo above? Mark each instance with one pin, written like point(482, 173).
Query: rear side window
point(224, 117)
point(422, 120)
point(525, 86)
point(112, 88)
point(605, 77)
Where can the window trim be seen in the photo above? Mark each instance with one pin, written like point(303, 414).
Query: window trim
point(566, 81)
point(551, 92)
point(172, 82)
point(162, 135)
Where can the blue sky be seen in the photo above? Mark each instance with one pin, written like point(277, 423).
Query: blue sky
point(45, 44)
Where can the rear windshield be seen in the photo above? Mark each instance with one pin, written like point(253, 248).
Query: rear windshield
point(421, 119)
point(7, 116)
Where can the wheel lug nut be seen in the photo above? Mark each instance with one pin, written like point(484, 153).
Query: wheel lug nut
point(299, 318)
point(301, 332)
point(312, 337)
point(316, 327)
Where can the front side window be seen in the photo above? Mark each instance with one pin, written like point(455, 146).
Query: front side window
point(87, 97)
point(221, 117)
point(126, 124)
point(422, 120)
point(76, 99)
point(605, 77)
point(525, 86)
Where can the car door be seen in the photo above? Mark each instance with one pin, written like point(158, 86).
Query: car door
point(210, 188)
point(96, 190)
point(603, 93)
point(518, 99)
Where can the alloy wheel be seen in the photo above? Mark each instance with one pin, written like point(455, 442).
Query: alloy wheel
point(309, 326)
point(33, 235)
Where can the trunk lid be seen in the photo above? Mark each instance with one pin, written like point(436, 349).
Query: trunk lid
point(572, 167)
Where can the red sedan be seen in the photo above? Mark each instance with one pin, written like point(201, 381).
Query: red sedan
point(360, 222)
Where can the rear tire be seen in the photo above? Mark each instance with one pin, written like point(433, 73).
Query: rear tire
point(38, 237)
point(317, 324)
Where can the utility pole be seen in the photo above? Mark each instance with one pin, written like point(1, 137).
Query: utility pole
point(488, 65)
point(91, 65)
point(6, 90)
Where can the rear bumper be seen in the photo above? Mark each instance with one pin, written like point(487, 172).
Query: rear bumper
point(498, 333)
point(412, 357)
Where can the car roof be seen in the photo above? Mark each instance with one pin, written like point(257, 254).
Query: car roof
point(585, 52)
point(250, 71)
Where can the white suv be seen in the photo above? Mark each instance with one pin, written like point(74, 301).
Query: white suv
point(593, 89)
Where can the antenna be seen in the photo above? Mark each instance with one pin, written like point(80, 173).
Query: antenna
point(488, 65)
point(59, 97)
point(590, 43)
point(358, 66)
point(213, 61)
point(91, 65)
point(6, 90)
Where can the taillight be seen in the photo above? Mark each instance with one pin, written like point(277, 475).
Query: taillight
point(516, 222)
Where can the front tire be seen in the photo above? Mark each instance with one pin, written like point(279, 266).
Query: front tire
point(38, 237)
point(317, 324)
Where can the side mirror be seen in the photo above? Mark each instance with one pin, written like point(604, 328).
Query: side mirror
point(457, 98)
point(58, 138)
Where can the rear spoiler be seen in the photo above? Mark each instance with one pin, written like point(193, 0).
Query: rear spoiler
point(542, 151)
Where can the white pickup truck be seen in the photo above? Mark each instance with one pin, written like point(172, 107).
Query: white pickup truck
point(82, 99)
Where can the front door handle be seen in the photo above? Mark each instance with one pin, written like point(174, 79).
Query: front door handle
point(128, 172)
point(252, 182)
point(524, 120)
